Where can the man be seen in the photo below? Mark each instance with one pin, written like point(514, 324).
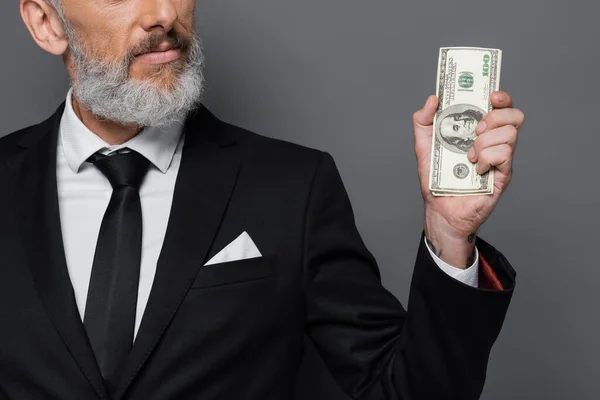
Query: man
point(457, 127)
point(150, 251)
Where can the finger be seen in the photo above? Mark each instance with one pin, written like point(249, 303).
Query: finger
point(497, 118)
point(497, 156)
point(501, 99)
point(424, 117)
point(506, 134)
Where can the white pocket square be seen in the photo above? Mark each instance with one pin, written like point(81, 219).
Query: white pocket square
point(241, 248)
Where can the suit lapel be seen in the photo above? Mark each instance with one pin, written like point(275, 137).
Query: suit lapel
point(34, 181)
point(206, 178)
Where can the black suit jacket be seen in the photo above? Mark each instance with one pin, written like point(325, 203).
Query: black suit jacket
point(235, 330)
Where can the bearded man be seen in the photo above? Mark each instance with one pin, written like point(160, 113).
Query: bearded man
point(150, 251)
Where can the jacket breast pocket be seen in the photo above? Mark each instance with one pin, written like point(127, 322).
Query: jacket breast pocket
point(227, 273)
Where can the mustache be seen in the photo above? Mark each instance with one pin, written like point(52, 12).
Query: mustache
point(176, 40)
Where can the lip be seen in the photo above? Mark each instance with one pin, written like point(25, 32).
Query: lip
point(160, 57)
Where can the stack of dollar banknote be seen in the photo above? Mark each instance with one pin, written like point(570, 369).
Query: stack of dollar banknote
point(466, 78)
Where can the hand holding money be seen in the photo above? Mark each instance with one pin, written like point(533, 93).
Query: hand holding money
point(451, 222)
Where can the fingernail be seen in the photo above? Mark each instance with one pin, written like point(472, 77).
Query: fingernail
point(501, 98)
point(471, 154)
point(481, 127)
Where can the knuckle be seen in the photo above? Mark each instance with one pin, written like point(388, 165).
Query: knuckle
point(504, 152)
point(415, 116)
point(484, 155)
point(521, 117)
point(491, 118)
point(480, 144)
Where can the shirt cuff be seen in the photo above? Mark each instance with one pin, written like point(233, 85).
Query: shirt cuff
point(469, 276)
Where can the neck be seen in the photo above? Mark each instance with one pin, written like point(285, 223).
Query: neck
point(111, 132)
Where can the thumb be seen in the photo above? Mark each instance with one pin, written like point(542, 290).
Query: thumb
point(424, 117)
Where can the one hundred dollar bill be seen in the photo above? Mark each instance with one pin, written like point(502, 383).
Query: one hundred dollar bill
point(466, 78)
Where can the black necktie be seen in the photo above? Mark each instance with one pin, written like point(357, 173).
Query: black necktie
point(112, 296)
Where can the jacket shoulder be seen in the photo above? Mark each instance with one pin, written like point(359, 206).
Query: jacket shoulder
point(9, 143)
point(264, 149)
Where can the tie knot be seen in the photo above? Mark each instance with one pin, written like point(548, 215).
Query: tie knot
point(122, 169)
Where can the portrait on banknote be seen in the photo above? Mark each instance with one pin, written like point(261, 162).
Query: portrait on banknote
point(456, 127)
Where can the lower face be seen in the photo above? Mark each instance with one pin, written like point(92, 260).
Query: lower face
point(161, 68)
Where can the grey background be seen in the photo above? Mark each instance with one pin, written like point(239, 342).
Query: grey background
point(345, 76)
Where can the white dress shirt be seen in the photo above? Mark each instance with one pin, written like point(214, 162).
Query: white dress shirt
point(84, 194)
point(469, 276)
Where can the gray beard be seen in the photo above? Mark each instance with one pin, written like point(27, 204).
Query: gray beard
point(105, 89)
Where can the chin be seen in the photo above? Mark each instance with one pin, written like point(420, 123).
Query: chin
point(163, 76)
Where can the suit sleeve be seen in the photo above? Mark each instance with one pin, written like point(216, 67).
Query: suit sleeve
point(375, 349)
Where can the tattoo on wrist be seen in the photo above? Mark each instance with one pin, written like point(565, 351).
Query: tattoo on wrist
point(471, 238)
point(434, 249)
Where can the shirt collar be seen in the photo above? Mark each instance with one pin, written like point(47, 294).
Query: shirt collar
point(157, 144)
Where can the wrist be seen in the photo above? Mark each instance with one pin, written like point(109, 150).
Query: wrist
point(452, 246)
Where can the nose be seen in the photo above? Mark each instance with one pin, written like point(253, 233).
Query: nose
point(158, 14)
